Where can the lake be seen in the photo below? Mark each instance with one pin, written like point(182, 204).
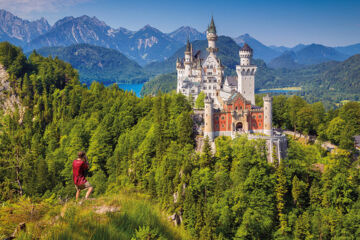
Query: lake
point(136, 88)
point(277, 91)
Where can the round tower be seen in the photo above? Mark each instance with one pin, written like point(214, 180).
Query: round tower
point(208, 119)
point(245, 54)
point(187, 61)
point(211, 37)
point(268, 115)
point(246, 74)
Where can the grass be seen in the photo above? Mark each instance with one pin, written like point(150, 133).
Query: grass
point(135, 217)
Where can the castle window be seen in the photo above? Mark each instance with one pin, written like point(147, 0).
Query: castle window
point(236, 108)
point(222, 117)
point(210, 73)
point(259, 116)
point(222, 125)
point(259, 124)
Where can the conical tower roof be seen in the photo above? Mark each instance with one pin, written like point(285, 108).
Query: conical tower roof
point(212, 28)
point(246, 48)
point(187, 45)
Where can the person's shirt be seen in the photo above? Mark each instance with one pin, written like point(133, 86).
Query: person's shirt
point(79, 168)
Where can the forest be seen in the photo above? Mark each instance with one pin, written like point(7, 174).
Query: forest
point(148, 145)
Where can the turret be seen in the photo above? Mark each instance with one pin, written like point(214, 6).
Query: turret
point(208, 118)
point(245, 54)
point(246, 74)
point(268, 115)
point(188, 58)
point(211, 37)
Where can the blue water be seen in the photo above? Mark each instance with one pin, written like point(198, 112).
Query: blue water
point(277, 91)
point(136, 88)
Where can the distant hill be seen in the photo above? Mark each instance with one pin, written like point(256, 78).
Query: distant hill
point(98, 64)
point(349, 50)
point(307, 55)
point(260, 50)
point(184, 33)
point(316, 53)
point(285, 60)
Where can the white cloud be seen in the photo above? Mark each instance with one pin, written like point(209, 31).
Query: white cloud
point(26, 7)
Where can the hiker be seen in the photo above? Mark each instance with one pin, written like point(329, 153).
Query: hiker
point(80, 165)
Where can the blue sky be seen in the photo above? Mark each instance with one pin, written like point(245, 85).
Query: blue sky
point(331, 22)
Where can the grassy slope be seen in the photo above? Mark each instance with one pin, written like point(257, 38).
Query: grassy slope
point(51, 220)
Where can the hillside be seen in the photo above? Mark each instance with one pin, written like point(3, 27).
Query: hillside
point(165, 83)
point(125, 215)
point(98, 64)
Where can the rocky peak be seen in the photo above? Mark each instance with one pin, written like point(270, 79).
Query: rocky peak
point(23, 30)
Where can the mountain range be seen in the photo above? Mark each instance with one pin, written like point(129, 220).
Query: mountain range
point(147, 45)
point(307, 55)
point(99, 64)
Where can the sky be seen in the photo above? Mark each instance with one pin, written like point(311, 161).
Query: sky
point(272, 22)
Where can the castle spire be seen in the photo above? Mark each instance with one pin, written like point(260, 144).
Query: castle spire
point(212, 28)
point(187, 45)
point(211, 37)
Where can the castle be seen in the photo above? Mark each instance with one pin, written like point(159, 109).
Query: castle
point(230, 100)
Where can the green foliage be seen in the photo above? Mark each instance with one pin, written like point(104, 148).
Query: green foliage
point(147, 144)
point(199, 103)
point(162, 82)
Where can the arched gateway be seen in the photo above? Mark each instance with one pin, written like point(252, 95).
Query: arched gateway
point(239, 127)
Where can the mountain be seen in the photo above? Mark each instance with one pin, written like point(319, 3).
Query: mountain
point(144, 46)
point(316, 53)
point(18, 31)
point(150, 45)
point(349, 50)
point(98, 64)
point(298, 47)
point(285, 60)
point(307, 55)
point(279, 48)
point(228, 54)
point(70, 30)
point(184, 33)
point(260, 50)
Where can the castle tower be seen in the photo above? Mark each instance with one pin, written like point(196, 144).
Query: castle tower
point(211, 37)
point(268, 115)
point(246, 74)
point(208, 119)
point(188, 58)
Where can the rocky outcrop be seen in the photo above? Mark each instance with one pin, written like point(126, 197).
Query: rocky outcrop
point(9, 101)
